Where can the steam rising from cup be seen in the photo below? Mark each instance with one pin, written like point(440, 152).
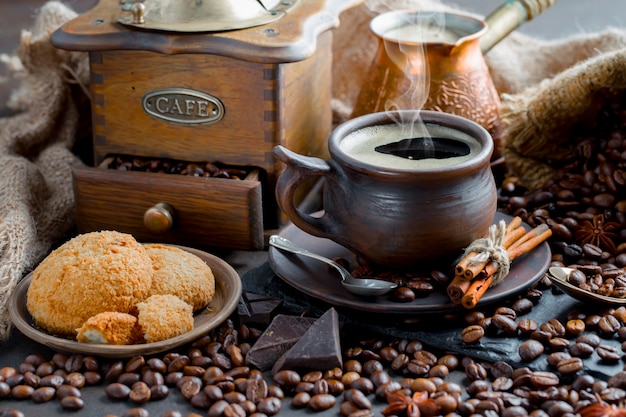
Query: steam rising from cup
point(405, 34)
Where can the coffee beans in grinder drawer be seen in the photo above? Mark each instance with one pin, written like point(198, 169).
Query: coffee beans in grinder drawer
point(171, 166)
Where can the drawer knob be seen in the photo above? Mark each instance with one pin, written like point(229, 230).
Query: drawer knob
point(159, 218)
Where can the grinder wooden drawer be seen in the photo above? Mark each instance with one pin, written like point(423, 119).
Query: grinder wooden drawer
point(207, 212)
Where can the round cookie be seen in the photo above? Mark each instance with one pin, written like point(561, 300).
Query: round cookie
point(182, 274)
point(89, 274)
point(163, 317)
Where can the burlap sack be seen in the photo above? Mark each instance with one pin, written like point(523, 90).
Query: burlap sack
point(36, 198)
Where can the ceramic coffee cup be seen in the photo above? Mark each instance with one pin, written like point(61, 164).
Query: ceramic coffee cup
point(401, 188)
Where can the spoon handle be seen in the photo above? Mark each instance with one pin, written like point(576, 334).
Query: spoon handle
point(285, 244)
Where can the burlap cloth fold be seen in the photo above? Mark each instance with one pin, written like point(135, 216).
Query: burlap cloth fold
point(546, 87)
point(36, 197)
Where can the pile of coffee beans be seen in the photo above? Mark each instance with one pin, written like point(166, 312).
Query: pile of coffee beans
point(379, 374)
point(610, 282)
point(171, 166)
point(585, 203)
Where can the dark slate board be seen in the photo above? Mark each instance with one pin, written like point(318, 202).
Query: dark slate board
point(435, 331)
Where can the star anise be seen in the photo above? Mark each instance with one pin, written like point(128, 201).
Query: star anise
point(409, 405)
point(602, 409)
point(597, 232)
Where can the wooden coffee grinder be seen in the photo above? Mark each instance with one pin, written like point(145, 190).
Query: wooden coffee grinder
point(200, 81)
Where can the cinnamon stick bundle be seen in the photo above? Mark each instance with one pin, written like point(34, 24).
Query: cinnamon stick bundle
point(471, 282)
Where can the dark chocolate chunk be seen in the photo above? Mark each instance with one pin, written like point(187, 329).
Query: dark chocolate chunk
point(255, 309)
point(282, 333)
point(318, 349)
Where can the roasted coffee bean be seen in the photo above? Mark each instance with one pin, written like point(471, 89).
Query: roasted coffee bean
point(501, 368)
point(256, 389)
point(472, 333)
point(45, 369)
point(321, 402)
point(140, 393)
point(234, 397)
point(157, 365)
point(5, 390)
point(348, 408)
point(475, 371)
point(43, 394)
point(114, 371)
point(608, 353)
point(504, 323)
point(502, 383)
point(321, 385)
point(364, 385)
point(54, 381)
point(269, 406)
point(76, 379)
point(173, 378)
point(275, 391)
point(581, 350)
point(569, 366)
point(530, 350)
point(31, 379)
point(14, 380)
point(200, 401)
point(128, 378)
point(178, 364)
point(543, 380)
point(159, 392)
point(554, 358)
point(358, 398)
point(558, 344)
point(286, 378)
point(554, 327)
point(92, 378)
point(590, 339)
point(189, 386)
point(74, 363)
point(349, 377)
point(117, 391)
point(72, 402)
point(423, 385)
point(22, 392)
point(608, 325)
point(68, 391)
point(135, 364)
point(527, 326)
point(300, 400)
point(217, 408)
point(403, 294)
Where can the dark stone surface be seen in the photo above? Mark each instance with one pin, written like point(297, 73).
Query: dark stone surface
point(438, 331)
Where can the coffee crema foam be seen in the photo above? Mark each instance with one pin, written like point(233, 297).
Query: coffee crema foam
point(361, 145)
point(422, 34)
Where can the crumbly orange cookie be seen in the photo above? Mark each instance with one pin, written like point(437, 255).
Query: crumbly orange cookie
point(111, 328)
point(182, 274)
point(89, 274)
point(164, 316)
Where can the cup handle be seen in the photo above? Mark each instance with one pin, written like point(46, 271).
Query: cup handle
point(298, 169)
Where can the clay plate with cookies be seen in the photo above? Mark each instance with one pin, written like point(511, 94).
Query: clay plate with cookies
point(103, 293)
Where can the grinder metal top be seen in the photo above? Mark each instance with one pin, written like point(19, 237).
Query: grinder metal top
point(264, 31)
point(202, 15)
